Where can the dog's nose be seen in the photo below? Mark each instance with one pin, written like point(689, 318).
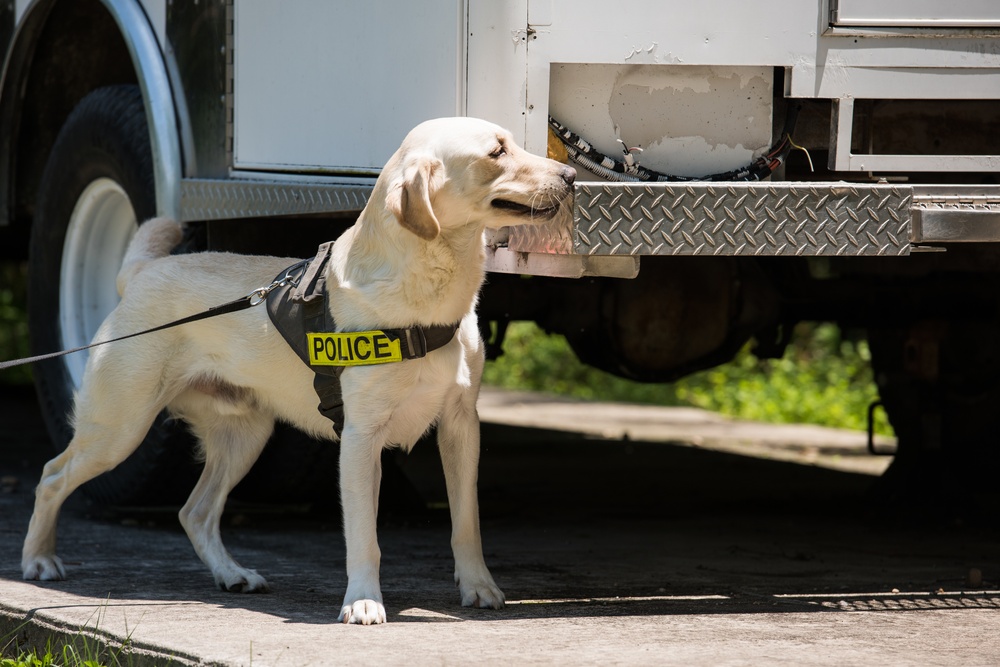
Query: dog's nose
point(568, 175)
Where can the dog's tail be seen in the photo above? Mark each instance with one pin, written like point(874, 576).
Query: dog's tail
point(155, 239)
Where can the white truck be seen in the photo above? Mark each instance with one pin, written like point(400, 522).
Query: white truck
point(698, 224)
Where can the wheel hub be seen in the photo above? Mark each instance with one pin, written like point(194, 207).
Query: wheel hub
point(100, 228)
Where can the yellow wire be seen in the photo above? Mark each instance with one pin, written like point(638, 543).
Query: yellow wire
point(804, 150)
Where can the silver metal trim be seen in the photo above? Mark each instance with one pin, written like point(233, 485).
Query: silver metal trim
point(223, 199)
point(151, 71)
point(956, 219)
point(505, 260)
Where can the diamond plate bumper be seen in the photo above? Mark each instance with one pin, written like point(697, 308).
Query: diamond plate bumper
point(625, 221)
point(832, 219)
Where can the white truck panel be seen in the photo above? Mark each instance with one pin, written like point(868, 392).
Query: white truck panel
point(332, 87)
point(781, 33)
point(498, 56)
point(322, 85)
point(688, 120)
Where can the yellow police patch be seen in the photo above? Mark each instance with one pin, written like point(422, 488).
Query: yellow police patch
point(355, 348)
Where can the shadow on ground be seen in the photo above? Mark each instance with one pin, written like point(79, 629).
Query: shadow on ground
point(572, 528)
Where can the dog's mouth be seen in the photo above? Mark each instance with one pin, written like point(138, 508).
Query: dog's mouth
point(526, 210)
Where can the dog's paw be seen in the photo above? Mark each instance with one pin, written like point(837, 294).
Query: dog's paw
point(363, 612)
point(43, 568)
point(244, 581)
point(480, 592)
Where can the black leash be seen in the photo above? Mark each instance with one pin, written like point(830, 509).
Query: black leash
point(254, 298)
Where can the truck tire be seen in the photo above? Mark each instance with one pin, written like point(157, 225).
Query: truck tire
point(97, 183)
point(937, 383)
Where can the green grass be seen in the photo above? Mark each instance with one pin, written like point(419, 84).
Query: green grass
point(824, 378)
point(80, 649)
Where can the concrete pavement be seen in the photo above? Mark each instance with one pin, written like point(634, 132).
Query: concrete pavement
point(638, 551)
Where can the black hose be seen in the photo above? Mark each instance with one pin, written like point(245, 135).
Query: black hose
point(581, 152)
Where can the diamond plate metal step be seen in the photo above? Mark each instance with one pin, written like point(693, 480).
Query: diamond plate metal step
point(626, 219)
point(833, 219)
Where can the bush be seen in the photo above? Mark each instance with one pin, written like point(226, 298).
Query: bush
point(824, 378)
point(13, 321)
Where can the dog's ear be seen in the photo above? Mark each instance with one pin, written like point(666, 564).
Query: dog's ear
point(410, 198)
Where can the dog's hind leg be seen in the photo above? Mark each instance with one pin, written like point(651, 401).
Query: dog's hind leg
point(101, 441)
point(232, 445)
point(458, 442)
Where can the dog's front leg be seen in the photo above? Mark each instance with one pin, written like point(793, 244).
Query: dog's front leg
point(458, 441)
point(360, 477)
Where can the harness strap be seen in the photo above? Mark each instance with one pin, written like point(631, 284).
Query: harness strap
point(300, 306)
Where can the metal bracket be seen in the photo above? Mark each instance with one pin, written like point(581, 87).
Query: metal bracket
point(842, 159)
point(505, 260)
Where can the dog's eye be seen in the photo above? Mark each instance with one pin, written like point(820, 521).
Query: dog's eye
point(501, 150)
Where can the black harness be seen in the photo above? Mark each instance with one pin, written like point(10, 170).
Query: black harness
point(299, 308)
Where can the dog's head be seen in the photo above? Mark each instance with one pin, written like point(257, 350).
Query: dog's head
point(455, 172)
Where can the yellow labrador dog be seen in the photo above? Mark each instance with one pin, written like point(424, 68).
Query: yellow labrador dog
point(414, 257)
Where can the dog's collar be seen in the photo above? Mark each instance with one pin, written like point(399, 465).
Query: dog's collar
point(299, 309)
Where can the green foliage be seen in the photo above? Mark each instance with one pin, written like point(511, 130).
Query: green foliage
point(824, 378)
point(13, 322)
point(69, 658)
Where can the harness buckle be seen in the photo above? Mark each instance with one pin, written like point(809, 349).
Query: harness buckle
point(416, 342)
